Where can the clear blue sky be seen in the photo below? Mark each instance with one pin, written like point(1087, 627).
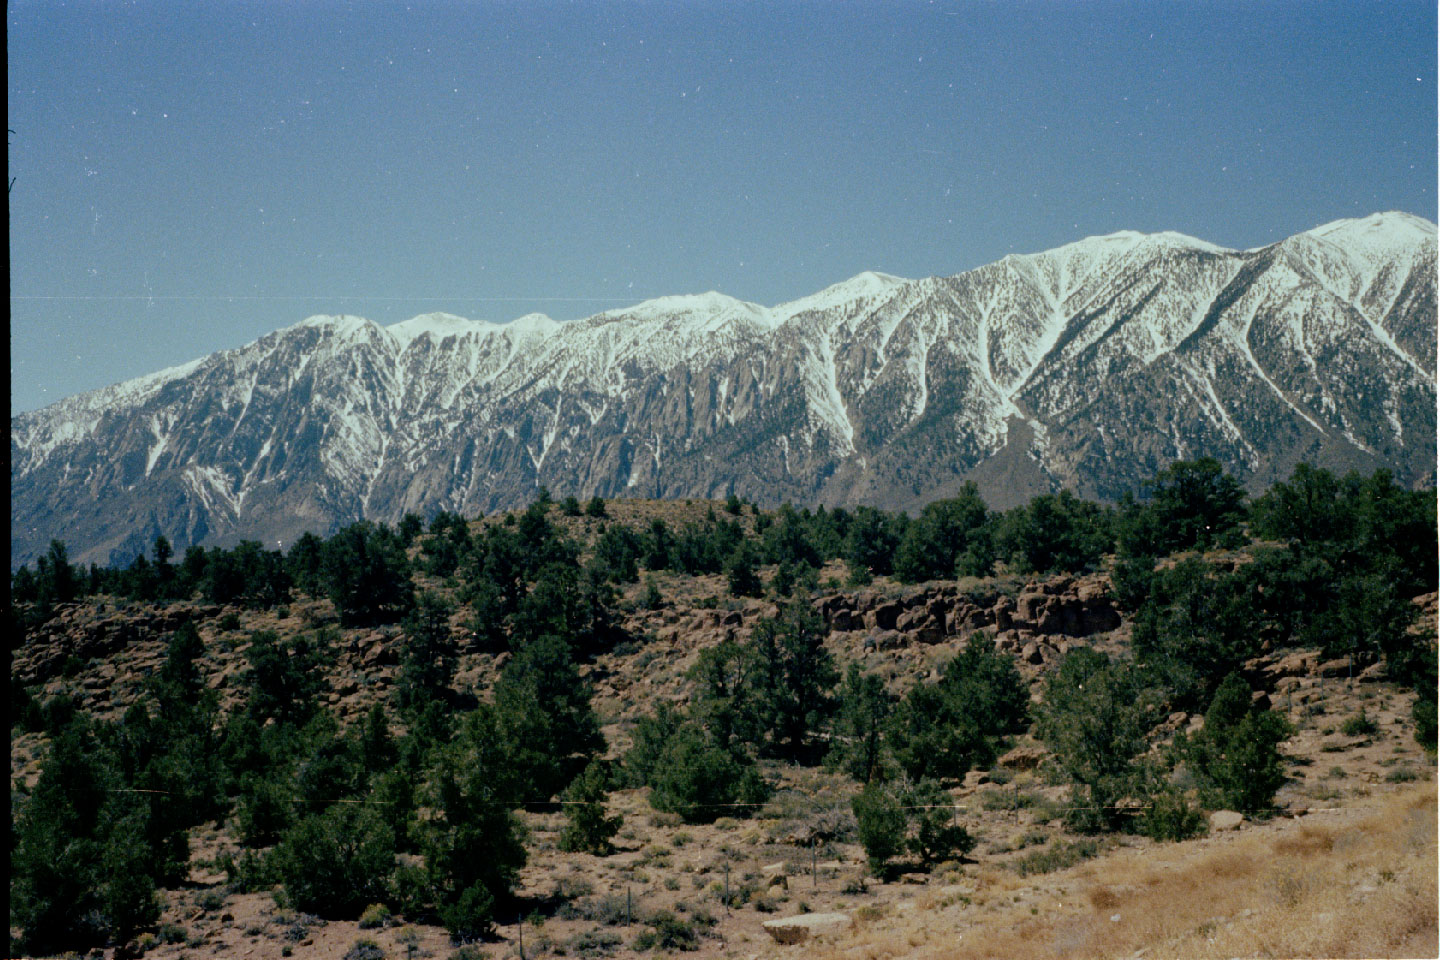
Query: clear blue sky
point(191, 176)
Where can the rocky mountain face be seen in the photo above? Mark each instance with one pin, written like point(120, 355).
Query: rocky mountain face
point(1087, 367)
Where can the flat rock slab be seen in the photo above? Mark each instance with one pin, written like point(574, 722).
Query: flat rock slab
point(797, 929)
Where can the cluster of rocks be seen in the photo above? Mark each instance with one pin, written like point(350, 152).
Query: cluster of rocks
point(86, 631)
point(1038, 623)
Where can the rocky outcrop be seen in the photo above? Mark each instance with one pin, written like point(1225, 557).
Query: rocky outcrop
point(89, 631)
point(1039, 623)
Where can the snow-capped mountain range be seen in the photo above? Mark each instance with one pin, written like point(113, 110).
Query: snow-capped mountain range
point(1089, 367)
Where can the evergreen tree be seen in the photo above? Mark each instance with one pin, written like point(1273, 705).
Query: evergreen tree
point(337, 862)
point(81, 870)
point(285, 678)
point(428, 653)
point(587, 828)
point(946, 530)
point(740, 571)
point(366, 575)
point(1236, 755)
point(1094, 717)
point(880, 819)
point(937, 837)
point(542, 711)
point(473, 848)
point(865, 708)
point(1191, 504)
point(700, 781)
point(946, 729)
point(794, 676)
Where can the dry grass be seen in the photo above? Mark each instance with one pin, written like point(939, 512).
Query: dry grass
point(1361, 884)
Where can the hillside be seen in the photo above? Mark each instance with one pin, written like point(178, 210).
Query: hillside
point(1342, 860)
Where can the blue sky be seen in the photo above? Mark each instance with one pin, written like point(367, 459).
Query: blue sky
point(189, 177)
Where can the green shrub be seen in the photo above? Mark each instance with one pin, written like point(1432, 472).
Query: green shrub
point(335, 863)
point(375, 915)
point(1171, 817)
point(1358, 725)
point(700, 781)
point(1059, 855)
point(881, 822)
point(668, 932)
point(172, 933)
point(594, 943)
point(365, 949)
point(265, 811)
point(587, 829)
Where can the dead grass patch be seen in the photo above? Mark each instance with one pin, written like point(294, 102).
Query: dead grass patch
point(1363, 886)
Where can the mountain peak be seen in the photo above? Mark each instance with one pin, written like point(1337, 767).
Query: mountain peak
point(862, 286)
point(437, 326)
point(536, 323)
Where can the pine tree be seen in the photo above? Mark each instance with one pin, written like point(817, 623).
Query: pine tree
point(587, 828)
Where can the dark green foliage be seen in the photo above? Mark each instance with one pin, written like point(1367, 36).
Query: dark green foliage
point(946, 531)
point(1236, 755)
point(1426, 684)
point(668, 932)
point(248, 574)
point(336, 862)
point(790, 539)
point(1171, 817)
point(25, 711)
point(570, 507)
point(1191, 504)
point(265, 810)
point(366, 575)
point(858, 743)
point(587, 828)
point(82, 870)
point(330, 768)
point(542, 709)
point(377, 748)
point(473, 849)
point(617, 553)
point(944, 730)
point(652, 598)
point(304, 561)
point(733, 504)
point(740, 573)
point(1196, 626)
point(285, 677)
point(428, 652)
point(793, 678)
point(56, 580)
point(724, 697)
point(937, 837)
point(1054, 533)
point(880, 819)
point(409, 528)
point(648, 741)
point(568, 602)
point(701, 781)
point(1094, 717)
point(659, 546)
point(1357, 524)
point(595, 507)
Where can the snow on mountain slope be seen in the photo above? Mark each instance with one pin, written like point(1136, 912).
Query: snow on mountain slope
point(1088, 366)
